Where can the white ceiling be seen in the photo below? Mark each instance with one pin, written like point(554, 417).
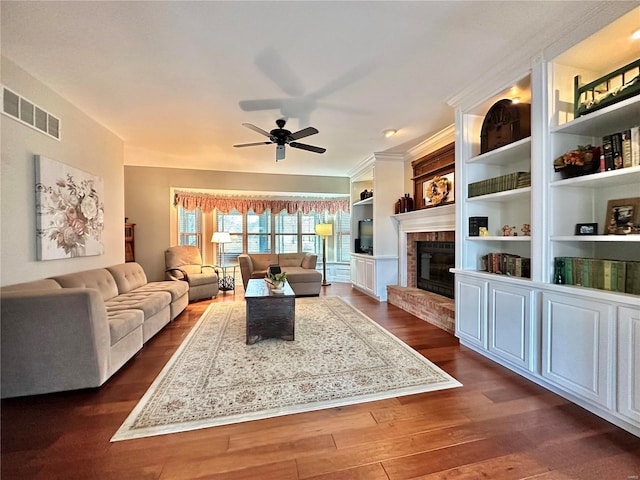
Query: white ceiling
point(167, 77)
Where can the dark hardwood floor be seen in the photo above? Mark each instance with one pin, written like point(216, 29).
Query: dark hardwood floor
point(497, 426)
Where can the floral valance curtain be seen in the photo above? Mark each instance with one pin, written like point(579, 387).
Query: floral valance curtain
point(207, 203)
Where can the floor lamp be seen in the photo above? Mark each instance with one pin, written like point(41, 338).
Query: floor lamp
point(221, 238)
point(324, 230)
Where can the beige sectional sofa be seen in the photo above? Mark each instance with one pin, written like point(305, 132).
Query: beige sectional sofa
point(75, 331)
point(301, 271)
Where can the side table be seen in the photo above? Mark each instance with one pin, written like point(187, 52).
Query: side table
point(226, 281)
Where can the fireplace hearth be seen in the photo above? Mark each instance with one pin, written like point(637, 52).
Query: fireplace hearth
point(433, 261)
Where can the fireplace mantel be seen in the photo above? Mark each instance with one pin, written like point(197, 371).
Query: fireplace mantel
point(434, 219)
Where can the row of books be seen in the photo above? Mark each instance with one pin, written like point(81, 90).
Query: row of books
point(506, 264)
point(502, 183)
point(613, 275)
point(621, 149)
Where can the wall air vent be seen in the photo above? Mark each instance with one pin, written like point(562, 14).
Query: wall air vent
point(26, 112)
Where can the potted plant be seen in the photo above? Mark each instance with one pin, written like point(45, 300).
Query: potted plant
point(277, 280)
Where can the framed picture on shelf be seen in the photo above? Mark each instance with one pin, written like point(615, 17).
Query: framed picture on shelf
point(623, 216)
point(586, 228)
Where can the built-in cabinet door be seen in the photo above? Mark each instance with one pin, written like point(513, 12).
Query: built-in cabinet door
point(510, 334)
point(629, 363)
point(370, 275)
point(577, 346)
point(471, 310)
point(360, 272)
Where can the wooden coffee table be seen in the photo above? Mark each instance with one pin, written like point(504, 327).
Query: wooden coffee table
point(269, 315)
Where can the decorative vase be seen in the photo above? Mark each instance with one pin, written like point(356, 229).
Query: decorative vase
point(278, 287)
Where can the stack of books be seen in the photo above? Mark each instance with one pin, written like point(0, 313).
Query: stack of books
point(612, 275)
point(511, 181)
point(506, 264)
point(621, 149)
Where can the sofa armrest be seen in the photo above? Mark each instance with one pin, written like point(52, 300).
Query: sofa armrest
point(310, 260)
point(53, 340)
point(176, 274)
point(246, 268)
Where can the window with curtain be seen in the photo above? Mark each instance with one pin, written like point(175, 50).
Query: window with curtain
point(190, 227)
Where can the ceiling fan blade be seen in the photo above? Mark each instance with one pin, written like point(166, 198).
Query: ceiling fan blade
point(265, 104)
point(310, 148)
point(252, 144)
point(257, 129)
point(305, 132)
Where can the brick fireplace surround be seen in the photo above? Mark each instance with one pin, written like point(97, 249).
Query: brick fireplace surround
point(416, 227)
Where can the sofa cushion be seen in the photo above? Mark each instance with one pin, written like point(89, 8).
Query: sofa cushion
point(207, 278)
point(149, 302)
point(100, 279)
point(262, 260)
point(176, 289)
point(290, 259)
point(128, 276)
point(302, 275)
point(310, 260)
point(123, 322)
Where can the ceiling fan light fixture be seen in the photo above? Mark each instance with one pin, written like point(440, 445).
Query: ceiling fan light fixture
point(390, 132)
point(279, 152)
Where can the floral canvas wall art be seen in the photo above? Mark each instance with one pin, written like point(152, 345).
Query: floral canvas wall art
point(69, 211)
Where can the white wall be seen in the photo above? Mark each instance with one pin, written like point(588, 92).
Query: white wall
point(85, 145)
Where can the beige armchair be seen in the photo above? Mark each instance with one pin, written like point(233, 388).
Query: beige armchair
point(185, 263)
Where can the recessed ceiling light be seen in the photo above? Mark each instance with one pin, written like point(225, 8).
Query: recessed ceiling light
point(390, 132)
point(636, 35)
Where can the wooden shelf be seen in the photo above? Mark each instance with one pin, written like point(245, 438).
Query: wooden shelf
point(596, 238)
point(366, 201)
point(505, 196)
point(499, 238)
point(505, 155)
point(623, 176)
point(609, 120)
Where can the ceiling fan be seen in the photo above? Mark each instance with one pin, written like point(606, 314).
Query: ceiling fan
point(282, 137)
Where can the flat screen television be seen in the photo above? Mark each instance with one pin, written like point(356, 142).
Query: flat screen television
point(365, 234)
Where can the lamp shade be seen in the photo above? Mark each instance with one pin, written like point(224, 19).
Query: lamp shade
point(221, 237)
point(324, 229)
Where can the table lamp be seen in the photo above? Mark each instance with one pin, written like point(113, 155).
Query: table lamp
point(324, 230)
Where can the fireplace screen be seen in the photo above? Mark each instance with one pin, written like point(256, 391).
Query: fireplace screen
point(434, 261)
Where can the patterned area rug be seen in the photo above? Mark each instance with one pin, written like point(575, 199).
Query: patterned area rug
point(339, 357)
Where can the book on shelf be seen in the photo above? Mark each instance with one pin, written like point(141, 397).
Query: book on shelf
point(604, 274)
point(510, 181)
point(635, 146)
point(607, 151)
point(626, 148)
point(506, 264)
point(621, 149)
point(632, 278)
point(616, 150)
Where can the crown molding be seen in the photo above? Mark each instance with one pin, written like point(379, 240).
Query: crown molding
point(439, 139)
